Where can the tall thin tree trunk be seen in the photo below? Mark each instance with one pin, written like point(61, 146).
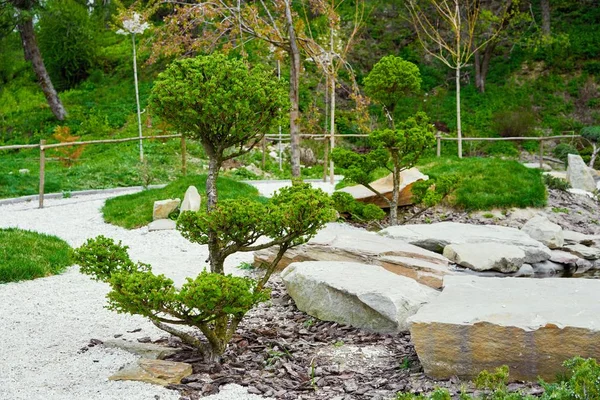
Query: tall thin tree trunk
point(458, 121)
point(482, 65)
point(478, 79)
point(294, 93)
point(396, 177)
point(32, 53)
point(332, 120)
point(214, 165)
point(545, 5)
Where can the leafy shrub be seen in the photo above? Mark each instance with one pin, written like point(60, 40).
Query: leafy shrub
point(345, 204)
point(517, 123)
point(562, 151)
point(556, 183)
point(502, 148)
point(530, 146)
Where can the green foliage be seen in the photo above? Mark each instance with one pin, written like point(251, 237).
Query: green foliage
point(432, 192)
point(218, 100)
point(391, 78)
point(591, 133)
point(516, 123)
point(135, 210)
point(345, 204)
point(46, 255)
point(293, 215)
point(502, 148)
point(67, 40)
point(562, 151)
point(556, 183)
point(485, 183)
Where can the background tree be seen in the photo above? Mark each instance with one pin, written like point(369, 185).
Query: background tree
point(20, 15)
point(394, 149)
point(390, 79)
point(447, 30)
point(592, 134)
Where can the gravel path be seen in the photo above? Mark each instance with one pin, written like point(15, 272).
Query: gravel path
point(45, 322)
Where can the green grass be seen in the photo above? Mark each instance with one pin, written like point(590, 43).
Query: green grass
point(46, 255)
point(135, 210)
point(488, 183)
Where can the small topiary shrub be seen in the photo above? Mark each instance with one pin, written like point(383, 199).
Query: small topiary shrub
point(346, 205)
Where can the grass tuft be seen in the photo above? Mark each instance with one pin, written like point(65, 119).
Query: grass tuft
point(135, 210)
point(45, 255)
point(487, 183)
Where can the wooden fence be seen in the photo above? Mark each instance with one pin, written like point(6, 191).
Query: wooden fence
point(43, 147)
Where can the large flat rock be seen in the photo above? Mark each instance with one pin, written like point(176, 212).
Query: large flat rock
point(531, 325)
point(337, 242)
point(364, 296)
point(435, 237)
point(385, 186)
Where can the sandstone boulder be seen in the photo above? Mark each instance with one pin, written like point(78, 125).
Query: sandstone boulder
point(436, 236)
point(337, 242)
point(191, 200)
point(580, 238)
point(364, 296)
point(548, 233)
point(589, 253)
point(158, 372)
point(486, 256)
point(385, 187)
point(531, 325)
point(163, 208)
point(578, 174)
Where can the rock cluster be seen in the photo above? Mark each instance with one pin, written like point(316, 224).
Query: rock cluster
point(162, 209)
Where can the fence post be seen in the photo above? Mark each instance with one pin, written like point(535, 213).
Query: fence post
point(183, 156)
point(439, 144)
point(541, 153)
point(264, 152)
point(326, 159)
point(42, 173)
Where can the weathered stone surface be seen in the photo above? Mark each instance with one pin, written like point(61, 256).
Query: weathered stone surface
point(572, 237)
point(531, 325)
point(583, 266)
point(364, 296)
point(578, 174)
point(144, 350)
point(163, 208)
point(547, 268)
point(525, 270)
point(337, 242)
point(158, 372)
point(486, 256)
point(385, 187)
point(162, 225)
point(563, 257)
point(548, 233)
point(589, 253)
point(191, 200)
point(435, 237)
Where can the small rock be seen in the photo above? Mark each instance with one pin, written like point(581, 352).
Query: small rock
point(589, 253)
point(547, 268)
point(350, 386)
point(24, 171)
point(563, 257)
point(162, 225)
point(163, 208)
point(191, 200)
point(541, 229)
point(578, 174)
point(145, 339)
point(525, 270)
point(153, 371)
point(486, 256)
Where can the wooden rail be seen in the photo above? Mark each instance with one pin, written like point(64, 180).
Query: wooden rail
point(43, 147)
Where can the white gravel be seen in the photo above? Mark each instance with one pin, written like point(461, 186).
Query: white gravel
point(45, 322)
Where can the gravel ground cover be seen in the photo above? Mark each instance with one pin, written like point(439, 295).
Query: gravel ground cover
point(46, 322)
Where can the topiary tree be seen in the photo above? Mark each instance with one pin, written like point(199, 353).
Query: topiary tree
point(228, 107)
point(391, 78)
point(224, 104)
point(395, 149)
point(592, 134)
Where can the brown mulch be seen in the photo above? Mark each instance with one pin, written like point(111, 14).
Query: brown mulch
point(283, 353)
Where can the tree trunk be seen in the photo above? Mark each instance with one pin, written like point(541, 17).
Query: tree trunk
point(545, 5)
point(482, 65)
point(595, 151)
point(215, 259)
point(395, 190)
point(294, 53)
point(32, 53)
point(458, 122)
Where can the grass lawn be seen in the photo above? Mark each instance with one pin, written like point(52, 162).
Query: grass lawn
point(135, 210)
point(44, 255)
point(488, 183)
